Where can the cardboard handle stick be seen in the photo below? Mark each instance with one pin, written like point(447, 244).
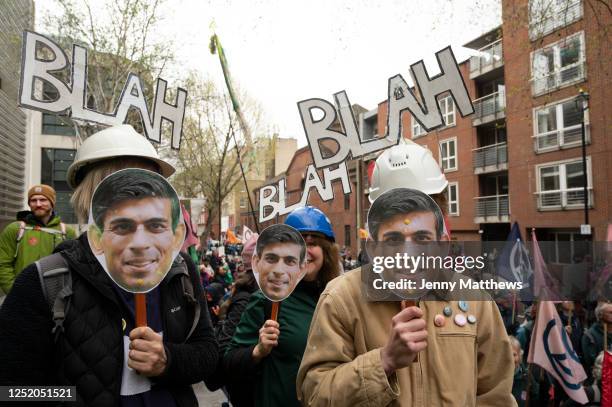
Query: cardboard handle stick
point(141, 309)
point(274, 313)
point(406, 304)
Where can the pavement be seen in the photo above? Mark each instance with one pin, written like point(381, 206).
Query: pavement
point(207, 398)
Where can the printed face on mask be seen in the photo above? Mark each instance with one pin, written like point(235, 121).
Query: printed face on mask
point(136, 241)
point(279, 270)
point(279, 261)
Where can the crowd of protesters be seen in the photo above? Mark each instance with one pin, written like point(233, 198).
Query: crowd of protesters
point(584, 323)
point(328, 345)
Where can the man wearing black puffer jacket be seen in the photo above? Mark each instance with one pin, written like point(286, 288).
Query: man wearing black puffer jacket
point(87, 346)
point(89, 352)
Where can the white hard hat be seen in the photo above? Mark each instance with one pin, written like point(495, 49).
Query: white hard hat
point(116, 141)
point(406, 165)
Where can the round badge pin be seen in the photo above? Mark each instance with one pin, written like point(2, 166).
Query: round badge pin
point(460, 320)
point(448, 311)
point(123, 324)
point(439, 320)
point(471, 319)
point(463, 306)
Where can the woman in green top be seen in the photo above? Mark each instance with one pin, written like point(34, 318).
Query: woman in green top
point(269, 352)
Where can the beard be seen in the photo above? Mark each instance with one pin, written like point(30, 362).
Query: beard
point(41, 213)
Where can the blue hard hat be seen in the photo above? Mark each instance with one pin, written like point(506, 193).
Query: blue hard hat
point(311, 219)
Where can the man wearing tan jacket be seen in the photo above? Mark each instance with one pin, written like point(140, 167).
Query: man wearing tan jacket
point(439, 353)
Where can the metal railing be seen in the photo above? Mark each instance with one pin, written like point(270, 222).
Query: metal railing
point(573, 197)
point(487, 56)
point(490, 104)
point(548, 19)
point(493, 205)
point(493, 154)
point(568, 137)
point(554, 80)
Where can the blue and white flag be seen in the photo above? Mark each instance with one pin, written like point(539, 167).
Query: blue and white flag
point(513, 263)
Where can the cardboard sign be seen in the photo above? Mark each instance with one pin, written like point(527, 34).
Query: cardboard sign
point(349, 144)
point(400, 98)
point(136, 228)
point(73, 94)
point(274, 196)
point(279, 261)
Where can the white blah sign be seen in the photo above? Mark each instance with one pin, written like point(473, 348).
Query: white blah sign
point(348, 141)
point(72, 96)
point(400, 98)
point(274, 196)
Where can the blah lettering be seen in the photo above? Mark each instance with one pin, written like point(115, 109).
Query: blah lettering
point(73, 95)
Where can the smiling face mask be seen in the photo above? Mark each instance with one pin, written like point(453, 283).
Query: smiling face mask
point(279, 261)
point(135, 228)
point(406, 223)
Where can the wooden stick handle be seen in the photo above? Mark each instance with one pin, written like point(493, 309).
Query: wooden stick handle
point(405, 304)
point(141, 309)
point(275, 306)
point(408, 303)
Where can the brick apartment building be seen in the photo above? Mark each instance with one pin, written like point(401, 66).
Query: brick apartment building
point(519, 156)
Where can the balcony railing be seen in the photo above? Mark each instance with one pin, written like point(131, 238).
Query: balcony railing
point(564, 138)
point(489, 57)
point(492, 206)
point(557, 79)
point(494, 154)
point(550, 18)
point(572, 198)
point(489, 105)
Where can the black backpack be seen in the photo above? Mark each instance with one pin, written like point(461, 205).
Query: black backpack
point(56, 283)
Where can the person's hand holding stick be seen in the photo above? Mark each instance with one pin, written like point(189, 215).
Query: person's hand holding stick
point(407, 338)
point(268, 340)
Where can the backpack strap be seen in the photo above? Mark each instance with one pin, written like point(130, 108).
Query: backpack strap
point(56, 283)
point(189, 294)
point(20, 233)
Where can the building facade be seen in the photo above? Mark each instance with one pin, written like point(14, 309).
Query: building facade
point(16, 16)
point(519, 156)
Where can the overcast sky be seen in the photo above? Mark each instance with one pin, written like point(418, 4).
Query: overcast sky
point(284, 51)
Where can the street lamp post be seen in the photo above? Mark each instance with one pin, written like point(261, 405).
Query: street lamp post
point(582, 101)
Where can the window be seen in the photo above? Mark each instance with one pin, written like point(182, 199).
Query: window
point(546, 16)
point(347, 235)
point(417, 130)
point(453, 198)
point(54, 166)
point(560, 185)
point(448, 154)
point(243, 202)
point(558, 65)
point(56, 125)
point(569, 246)
point(447, 107)
point(558, 126)
point(347, 202)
